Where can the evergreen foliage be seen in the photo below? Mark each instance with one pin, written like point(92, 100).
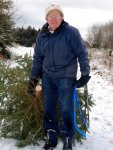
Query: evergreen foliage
point(6, 25)
point(21, 116)
point(25, 37)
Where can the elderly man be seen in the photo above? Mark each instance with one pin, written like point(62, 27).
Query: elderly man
point(58, 48)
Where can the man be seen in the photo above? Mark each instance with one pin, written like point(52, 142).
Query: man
point(58, 48)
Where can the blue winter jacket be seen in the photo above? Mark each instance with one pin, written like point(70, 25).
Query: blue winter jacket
point(57, 53)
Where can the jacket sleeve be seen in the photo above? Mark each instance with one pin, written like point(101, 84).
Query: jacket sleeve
point(81, 53)
point(37, 60)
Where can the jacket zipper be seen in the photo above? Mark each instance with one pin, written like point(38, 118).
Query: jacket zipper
point(52, 47)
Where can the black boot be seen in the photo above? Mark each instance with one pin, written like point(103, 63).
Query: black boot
point(67, 142)
point(51, 141)
point(48, 146)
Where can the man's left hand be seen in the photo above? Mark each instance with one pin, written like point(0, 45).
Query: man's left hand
point(82, 81)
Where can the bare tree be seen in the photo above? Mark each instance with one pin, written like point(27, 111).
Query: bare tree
point(101, 36)
point(107, 35)
point(94, 36)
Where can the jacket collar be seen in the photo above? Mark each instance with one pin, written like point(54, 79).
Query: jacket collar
point(45, 31)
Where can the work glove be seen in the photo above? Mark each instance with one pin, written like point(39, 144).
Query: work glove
point(31, 86)
point(82, 81)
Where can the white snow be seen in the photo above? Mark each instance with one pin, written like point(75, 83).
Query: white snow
point(100, 136)
point(21, 50)
point(18, 50)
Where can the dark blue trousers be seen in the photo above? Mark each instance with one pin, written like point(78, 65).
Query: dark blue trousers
point(61, 89)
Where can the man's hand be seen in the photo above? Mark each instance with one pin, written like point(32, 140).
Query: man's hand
point(32, 85)
point(82, 81)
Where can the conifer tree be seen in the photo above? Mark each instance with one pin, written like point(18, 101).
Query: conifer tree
point(21, 115)
point(6, 25)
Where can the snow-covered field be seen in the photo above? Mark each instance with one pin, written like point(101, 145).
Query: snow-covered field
point(100, 136)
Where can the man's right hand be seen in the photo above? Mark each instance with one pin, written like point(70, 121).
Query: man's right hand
point(32, 85)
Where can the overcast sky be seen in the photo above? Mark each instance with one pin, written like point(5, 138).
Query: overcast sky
point(79, 13)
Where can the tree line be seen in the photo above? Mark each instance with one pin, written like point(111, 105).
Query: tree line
point(101, 36)
point(25, 36)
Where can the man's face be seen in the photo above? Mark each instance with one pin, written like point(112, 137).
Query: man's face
point(54, 19)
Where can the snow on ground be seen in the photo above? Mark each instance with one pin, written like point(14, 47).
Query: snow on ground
point(100, 136)
point(21, 50)
point(18, 51)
